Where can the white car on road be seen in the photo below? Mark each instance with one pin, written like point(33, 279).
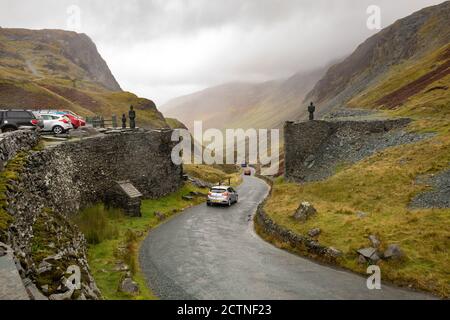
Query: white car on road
point(222, 195)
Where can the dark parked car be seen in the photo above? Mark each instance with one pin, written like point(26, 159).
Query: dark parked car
point(11, 120)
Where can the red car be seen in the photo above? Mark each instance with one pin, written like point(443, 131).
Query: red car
point(75, 119)
point(76, 123)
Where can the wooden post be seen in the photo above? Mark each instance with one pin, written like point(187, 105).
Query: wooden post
point(114, 121)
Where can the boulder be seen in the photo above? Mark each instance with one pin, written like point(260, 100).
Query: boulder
point(314, 232)
point(393, 252)
point(334, 253)
point(188, 198)
point(369, 254)
point(304, 212)
point(374, 241)
point(129, 286)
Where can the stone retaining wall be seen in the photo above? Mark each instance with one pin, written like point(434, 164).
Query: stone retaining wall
point(12, 143)
point(58, 181)
point(270, 230)
point(314, 149)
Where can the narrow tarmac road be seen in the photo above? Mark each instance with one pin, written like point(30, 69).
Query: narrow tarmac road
point(213, 253)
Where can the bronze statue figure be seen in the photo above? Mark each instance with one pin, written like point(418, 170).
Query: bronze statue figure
point(132, 116)
point(124, 121)
point(311, 110)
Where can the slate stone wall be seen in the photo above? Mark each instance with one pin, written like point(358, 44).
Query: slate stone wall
point(58, 181)
point(74, 174)
point(314, 149)
point(12, 143)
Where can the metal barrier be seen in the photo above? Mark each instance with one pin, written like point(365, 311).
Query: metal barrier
point(101, 122)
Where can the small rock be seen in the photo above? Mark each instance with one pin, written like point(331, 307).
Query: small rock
point(82, 297)
point(187, 198)
point(129, 286)
point(44, 288)
point(161, 216)
point(309, 161)
point(62, 296)
point(122, 267)
point(334, 253)
point(362, 214)
point(370, 254)
point(55, 257)
point(44, 266)
point(375, 241)
point(304, 212)
point(393, 252)
point(314, 232)
point(361, 259)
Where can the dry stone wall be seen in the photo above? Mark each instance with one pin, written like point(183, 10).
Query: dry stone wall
point(54, 183)
point(315, 149)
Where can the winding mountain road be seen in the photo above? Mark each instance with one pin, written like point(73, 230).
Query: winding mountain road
point(213, 253)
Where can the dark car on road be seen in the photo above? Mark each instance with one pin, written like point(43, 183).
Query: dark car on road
point(11, 120)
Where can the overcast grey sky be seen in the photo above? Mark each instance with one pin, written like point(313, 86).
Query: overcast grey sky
point(161, 49)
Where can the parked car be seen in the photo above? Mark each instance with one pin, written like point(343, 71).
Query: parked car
point(244, 165)
point(15, 119)
point(222, 195)
point(56, 123)
point(248, 172)
point(76, 120)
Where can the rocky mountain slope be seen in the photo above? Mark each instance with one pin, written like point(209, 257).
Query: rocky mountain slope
point(62, 69)
point(245, 105)
point(406, 41)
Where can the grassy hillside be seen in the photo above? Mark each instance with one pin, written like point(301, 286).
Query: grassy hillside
point(63, 70)
point(175, 123)
point(245, 105)
point(407, 40)
point(383, 185)
point(419, 89)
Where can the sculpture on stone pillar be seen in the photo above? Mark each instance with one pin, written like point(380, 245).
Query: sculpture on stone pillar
point(132, 116)
point(311, 110)
point(124, 121)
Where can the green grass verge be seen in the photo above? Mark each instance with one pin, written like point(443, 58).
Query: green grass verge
point(115, 238)
point(382, 186)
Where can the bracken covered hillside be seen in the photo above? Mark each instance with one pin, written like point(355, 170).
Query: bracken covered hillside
point(63, 70)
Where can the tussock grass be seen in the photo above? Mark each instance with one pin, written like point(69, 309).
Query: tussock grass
point(215, 174)
point(116, 238)
point(95, 223)
point(382, 186)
